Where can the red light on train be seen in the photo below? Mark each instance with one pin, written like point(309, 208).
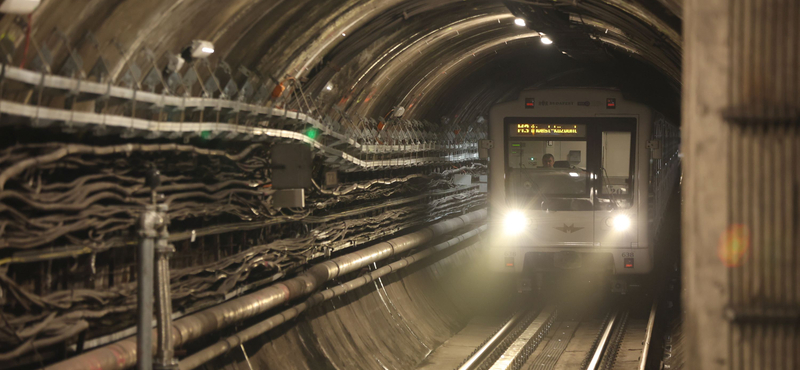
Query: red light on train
point(628, 262)
point(530, 103)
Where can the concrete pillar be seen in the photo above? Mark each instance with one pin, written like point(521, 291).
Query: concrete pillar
point(741, 260)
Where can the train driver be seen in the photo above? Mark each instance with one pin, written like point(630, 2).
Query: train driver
point(548, 160)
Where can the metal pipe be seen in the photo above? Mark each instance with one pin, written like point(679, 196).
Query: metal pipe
point(209, 353)
point(144, 302)
point(122, 354)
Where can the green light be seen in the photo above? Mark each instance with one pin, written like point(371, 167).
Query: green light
point(515, 145)
point(533, 159)
point(205, 135)
point(312, 133)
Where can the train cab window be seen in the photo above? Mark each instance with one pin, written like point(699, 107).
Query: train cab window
point(617, 170)
point(547, 168)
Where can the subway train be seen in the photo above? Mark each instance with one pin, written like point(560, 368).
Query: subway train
point(579, 180)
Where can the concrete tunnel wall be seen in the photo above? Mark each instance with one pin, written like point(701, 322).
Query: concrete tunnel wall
point(392, 323)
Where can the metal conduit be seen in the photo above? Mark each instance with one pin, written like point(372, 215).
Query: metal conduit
point(220, 348)
point(122, 354)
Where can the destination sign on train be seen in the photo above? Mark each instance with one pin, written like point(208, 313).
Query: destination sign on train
point(547, 130)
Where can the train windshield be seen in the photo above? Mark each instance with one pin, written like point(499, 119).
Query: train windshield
point(549, 168)
point(570, 164)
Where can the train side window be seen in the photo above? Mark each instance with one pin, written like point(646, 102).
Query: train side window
point(617, 177)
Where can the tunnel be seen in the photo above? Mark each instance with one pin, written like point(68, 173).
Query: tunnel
point(399, 184)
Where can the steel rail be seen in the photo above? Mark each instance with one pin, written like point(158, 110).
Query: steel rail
point(604, 339)
point(648, 335)
point(514, 357)
point(483, 351)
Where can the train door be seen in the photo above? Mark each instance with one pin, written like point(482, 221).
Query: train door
point(615, 213)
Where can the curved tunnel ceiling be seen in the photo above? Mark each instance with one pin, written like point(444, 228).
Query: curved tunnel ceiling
point(442, 60)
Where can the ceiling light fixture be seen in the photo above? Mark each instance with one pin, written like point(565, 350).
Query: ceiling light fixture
point(546, 40)
point(519, 22)
point(198, 49)
point(202, 49)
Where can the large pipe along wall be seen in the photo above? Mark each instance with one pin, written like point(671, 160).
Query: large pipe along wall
point(392, 322)
point(252, 332)
point(122, 354)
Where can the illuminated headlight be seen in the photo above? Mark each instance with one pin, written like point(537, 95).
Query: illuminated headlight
point(515, 222)
point(621, 222)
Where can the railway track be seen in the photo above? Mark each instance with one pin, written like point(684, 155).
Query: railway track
point(624, 343)
point(553, 337)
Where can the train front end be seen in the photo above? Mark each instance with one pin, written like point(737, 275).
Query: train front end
point(566, 186)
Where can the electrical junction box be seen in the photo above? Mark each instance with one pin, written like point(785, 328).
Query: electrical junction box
point(287, 198)
point(483, 187)
point(463, 180)
point(331, 178)
point(291, 166)
point(483, 148)
point(655, 148)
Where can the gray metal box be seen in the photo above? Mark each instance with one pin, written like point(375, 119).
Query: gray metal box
point(483, 178)
point(331, 178)
point(289, 198)
point(462, 179)
point(483, 148)
point(291, 166)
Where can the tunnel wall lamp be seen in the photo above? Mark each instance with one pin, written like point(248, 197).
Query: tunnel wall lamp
point(198, 49)
point(202, 49)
